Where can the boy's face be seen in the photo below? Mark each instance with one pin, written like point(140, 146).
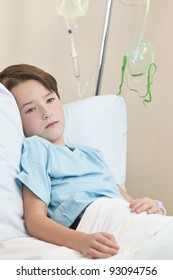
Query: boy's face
point(41, 111)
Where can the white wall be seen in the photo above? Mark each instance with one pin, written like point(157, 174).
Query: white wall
point(150, 130)
point(31, 32)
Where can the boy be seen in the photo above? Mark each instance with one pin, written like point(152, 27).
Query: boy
point(61, 181)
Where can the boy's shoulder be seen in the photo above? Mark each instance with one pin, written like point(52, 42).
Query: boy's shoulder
point(36, 141)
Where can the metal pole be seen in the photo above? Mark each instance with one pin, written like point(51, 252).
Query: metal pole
point(103, 46)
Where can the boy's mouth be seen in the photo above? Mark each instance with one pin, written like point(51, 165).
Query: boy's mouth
point(52, 124)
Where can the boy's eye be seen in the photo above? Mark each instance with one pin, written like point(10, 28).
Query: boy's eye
point(30, 110)
point(50, 100)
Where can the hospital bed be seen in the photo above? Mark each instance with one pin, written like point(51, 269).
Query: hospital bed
point(99, 122)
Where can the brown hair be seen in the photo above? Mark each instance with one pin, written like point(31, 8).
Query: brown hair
point(16, 74)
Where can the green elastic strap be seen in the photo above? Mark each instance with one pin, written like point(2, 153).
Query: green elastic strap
point(149, 82)
point(122, 73)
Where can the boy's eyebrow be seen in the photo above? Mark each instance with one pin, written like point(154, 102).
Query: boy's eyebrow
point(25, 104)
point(30, 102)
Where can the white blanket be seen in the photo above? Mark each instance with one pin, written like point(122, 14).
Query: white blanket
point(140, 236)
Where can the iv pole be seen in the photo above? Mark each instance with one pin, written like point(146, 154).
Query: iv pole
point(103, 46)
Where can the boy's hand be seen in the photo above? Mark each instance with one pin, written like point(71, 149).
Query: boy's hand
point(145, 205)
point(99, 245)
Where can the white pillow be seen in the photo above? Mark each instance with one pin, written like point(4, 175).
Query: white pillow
point(98, 121)
point(11, 213)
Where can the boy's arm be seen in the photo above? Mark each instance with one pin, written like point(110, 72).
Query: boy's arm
point(125, 194)
point(97, 245)
point(141, 204)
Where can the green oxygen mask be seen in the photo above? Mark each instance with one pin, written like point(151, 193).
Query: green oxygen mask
point(138, 66)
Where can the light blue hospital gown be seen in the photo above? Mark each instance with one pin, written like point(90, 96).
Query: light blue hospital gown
point(67, 181)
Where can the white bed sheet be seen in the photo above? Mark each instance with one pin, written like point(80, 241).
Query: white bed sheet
point(140, 236)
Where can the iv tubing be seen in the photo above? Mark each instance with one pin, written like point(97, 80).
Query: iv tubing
point(145, 22)
point(74, 54)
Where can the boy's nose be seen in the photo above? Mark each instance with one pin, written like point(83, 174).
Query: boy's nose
point(47, 115)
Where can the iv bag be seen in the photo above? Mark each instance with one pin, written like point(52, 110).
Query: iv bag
point(139, 59)
point(72, 9)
